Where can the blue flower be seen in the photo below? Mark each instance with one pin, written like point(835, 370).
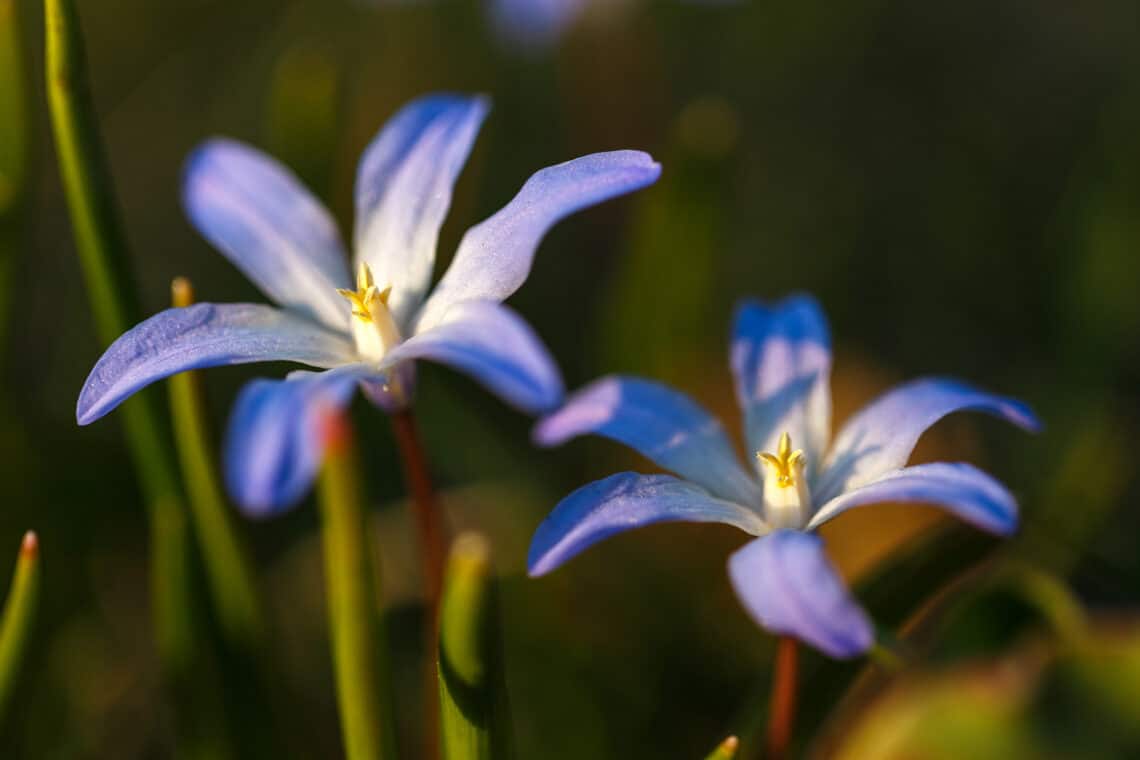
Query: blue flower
point(781, 362)
point(364, 335)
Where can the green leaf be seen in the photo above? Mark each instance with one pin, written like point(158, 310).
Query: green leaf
point(474, 712)
point(102, 251)
point(13, 110)
point(19, 617)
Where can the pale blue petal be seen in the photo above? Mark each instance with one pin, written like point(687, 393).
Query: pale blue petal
point(882, 436)
point(788, 585)
point(403, 191)
point(623, 502)
point(275, 443)
point(661, 424)
point(962, 489)
point(257, 213)
point(204, 335)
point(495, 256)
point(533, 24)
point(496, 347)
point(781, 364)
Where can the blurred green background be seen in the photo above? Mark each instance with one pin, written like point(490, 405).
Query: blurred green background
point(959, 184)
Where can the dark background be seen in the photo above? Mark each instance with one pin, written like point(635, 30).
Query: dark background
point(959, 185)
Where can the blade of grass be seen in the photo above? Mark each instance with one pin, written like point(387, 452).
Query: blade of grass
point(101, 245)
point(102, 253)
point(19, 617)
point(14, 141)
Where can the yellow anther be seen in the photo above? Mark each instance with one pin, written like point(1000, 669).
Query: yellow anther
point(787, 464)
point(365, 298)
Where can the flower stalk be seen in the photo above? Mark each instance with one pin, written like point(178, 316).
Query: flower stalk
point(782, 704)
point(430, 530)
point(472, 689)
point(19, 617)
point(352, 609)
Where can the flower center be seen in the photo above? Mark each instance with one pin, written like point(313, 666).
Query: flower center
point(787, 499)
point(373, 328)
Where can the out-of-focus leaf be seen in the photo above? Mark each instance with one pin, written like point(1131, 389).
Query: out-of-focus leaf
point(1041, 698)
point(19, 617)
point(659, 312)
point(302, 121)
point(474, 717)
point(13, 110)
point(726, 750)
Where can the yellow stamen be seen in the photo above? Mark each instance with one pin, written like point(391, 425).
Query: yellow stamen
point(787, 464)
point(365, 298)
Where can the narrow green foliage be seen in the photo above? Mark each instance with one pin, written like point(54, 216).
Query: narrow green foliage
point(101, 244)
point(726, 750)
point(228, 569)
point(102, 251)
point(13, 110)
point(99, 236)
point(14, 140)
point(474, 714)
point(19, 617)
point(357, 641)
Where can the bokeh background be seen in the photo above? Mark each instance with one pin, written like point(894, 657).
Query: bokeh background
point(958, 183)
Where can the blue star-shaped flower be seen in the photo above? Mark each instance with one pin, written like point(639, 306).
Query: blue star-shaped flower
point(781, 362)
point(260, 217)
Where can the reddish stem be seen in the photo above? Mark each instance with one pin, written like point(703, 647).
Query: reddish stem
point(429, 519)
point(431, 534)
point(782, 705)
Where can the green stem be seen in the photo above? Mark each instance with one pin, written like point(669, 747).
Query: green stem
point(228, 568)
point(101, 245)
point(19, 617)
point(473, 698)
point(353, 624)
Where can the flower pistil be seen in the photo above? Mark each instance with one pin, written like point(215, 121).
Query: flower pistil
point(373, 328)
point(787, 498)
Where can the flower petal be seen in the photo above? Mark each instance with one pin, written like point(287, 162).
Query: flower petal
point(204, 335)
point(495, 256)
point(403, 191)
point(788, 585)
point(962, 489)
point(496, 347)
point(881, 437)
point(622, 502)
point(257, 213)
point(274, 445)
point(781, 364)
point(661, 424)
